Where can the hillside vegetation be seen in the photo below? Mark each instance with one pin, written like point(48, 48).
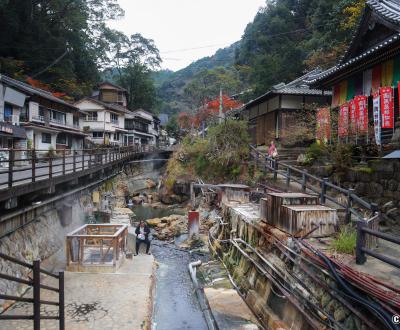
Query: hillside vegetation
point(285, 39)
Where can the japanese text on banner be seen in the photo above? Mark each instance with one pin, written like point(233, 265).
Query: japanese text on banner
point(386, 105)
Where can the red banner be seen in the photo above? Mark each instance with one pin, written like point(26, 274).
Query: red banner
point(353, 117)
point(323, 124)
point(343, 120)
point(386, 94)
point(362, 113)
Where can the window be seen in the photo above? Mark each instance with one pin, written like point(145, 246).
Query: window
point(75, 121)
point(97, 134)
point(114, 118)
point(46, 138)
point(61, 138)
point(41, 113)
point(116, 136)
point(58, 117)
point(8, 112)
point(92, 116)
point(24, 115)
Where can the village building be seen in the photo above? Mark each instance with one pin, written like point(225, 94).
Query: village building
point(105, 113)
point(365, 82)
point(142, 128)
point(32, 118)
point(281, 113)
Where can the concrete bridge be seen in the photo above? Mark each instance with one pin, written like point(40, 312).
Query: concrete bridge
point(28, 173)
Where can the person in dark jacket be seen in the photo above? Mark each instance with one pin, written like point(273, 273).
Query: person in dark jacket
point(142, 236)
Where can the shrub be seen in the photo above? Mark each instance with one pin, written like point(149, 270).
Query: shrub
point(345, 242)
point(315, 152)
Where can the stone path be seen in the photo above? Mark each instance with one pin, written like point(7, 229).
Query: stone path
point(121, 300)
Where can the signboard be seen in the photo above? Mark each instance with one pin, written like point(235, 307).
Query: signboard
point(353, 116)
point(387, 107)
point(362, 113)
point(6, 129)
point(343, 120)
point(323, 124)
point(377, 118)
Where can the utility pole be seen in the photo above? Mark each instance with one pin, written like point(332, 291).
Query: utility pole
point(220, 117)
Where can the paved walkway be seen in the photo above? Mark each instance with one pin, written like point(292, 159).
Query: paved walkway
point(110, 301)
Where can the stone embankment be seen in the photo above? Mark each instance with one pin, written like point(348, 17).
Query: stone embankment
point(283, 286)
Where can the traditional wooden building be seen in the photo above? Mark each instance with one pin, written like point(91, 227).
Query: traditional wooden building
point(275, 114)
point(39, 119)
point(365, 81)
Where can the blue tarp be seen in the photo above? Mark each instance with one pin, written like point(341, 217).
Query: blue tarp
point(393, 155)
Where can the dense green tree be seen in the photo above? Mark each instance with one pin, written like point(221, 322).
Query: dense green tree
point(59, 42)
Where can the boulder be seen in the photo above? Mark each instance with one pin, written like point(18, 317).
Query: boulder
point(153, 222)
point(150, 184)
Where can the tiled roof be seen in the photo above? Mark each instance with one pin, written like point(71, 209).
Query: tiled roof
point(112, 106)
point(299, 86)
point(313, 79)
point(387, 9)
point(30, 90)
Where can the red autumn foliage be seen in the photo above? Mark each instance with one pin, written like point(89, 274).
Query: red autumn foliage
point(211, 109)
point(41, 85)
point(184, 120)
point(227, 104)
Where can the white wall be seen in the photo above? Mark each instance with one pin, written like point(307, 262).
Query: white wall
point(292, 102)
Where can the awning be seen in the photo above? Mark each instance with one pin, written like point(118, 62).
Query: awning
point(12, 131)
point(393, 155)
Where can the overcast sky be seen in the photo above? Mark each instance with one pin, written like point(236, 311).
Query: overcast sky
point(178, 26)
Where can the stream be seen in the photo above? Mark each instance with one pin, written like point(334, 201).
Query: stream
point(175, 304)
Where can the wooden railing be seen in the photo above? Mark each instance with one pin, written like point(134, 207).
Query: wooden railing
point(84, 242)
point(36, 284)
point(349, 201)
point(367, 214)
point(19, 166)
point(365, 233)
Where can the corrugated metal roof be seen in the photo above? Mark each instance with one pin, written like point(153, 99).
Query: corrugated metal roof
point(26, 88)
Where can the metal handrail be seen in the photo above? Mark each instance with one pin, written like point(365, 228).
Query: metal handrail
point(35, 300)
point(288, 171)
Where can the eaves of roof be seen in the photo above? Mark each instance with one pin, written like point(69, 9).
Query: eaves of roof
point(317, 80)
point(30, 90)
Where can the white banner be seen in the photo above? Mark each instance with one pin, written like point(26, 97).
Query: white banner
point(377, 118)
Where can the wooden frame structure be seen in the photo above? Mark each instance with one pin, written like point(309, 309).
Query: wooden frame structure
point(96, 245)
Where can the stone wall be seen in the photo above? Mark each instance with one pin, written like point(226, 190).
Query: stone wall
point(40, 239)
point(304, 283)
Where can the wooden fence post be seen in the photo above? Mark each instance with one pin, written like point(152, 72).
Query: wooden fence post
point(63, 162)
point(74, 161)
point(83, 160)
point(50, 166)
point(360, 255)
point(61, 300)
point(323, 190)
point(11, 155)
point(36, 295)
point(288, 177)
point(33, 165)
point(304, 181)
point(275, 169)
point(348, 206)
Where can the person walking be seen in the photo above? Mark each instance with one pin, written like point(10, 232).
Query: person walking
point(272, 151)
point(142, 236)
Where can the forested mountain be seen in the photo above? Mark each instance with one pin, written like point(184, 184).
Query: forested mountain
point(286, 38)
point(172, 86)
